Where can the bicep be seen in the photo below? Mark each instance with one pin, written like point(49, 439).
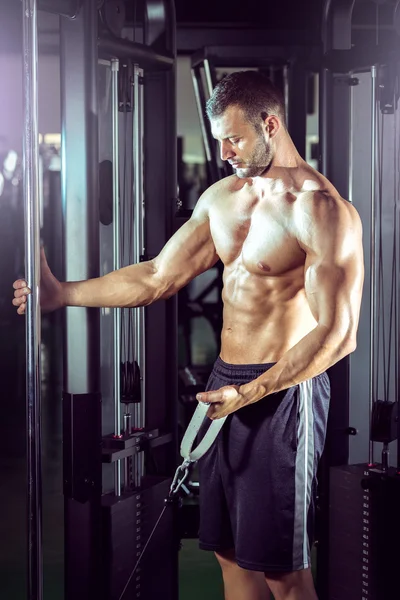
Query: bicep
point(189, 252)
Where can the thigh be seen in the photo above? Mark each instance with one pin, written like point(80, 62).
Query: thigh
point(215, 531)
point(258, 461)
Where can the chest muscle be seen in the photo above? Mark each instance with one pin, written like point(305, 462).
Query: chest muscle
point(258, 240)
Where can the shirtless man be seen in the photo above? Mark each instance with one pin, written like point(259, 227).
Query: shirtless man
point(293, 275)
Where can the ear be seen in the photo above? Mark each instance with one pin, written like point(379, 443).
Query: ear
point(272, 125)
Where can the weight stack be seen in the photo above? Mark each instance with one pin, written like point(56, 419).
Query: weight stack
point(364, 540)
point(127, 523)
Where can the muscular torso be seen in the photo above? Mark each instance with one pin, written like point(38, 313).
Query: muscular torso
point(255, 233)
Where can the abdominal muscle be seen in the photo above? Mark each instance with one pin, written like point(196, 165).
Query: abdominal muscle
point(263, 316)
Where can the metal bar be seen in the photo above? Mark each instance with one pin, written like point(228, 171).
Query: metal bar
point(325, 97)
point(33, 318)
point(116, 263)
point(286, 91)
point(351, 142)
point(208, 148)
point(209, 79)
point(64, 8)
point(148, 58)
point(372, 254)
point(201, 115)
point(139, 250)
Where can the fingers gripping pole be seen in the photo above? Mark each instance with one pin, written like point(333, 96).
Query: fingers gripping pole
point(33, 321)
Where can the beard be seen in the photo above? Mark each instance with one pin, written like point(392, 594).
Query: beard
point(259, 162)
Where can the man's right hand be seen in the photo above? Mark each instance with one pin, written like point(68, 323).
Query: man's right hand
point(50, 289)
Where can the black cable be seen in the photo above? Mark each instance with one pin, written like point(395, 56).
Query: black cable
point(382, 282)
point(396, 230)
point(380, 324)
point(131, 331)
point(143, 551)
point(394, 269)
point(397, 199)
point(122, 222)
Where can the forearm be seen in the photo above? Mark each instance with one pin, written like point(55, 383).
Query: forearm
point(311, 356)
point(136, 285)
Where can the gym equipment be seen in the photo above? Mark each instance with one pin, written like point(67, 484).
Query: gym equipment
point(98, 514)
point(359, 83)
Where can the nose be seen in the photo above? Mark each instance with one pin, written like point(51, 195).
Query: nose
point(226, 150)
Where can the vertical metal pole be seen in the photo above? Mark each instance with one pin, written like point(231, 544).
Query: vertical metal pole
point(351, 142)
point(396, 279)
point(325, 113)
point(209, 146)
point(201, 116)
point(372, 254)
point(286, 91)
point(33, 320)
point(116, 265)
point(209, 79)
point(139, 249)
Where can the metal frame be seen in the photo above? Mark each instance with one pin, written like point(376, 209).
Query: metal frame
point(81, 397)
point(345, 56)
point(155, 93)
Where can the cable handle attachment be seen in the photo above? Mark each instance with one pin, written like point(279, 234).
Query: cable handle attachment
point(180, 476)
point(199, 418)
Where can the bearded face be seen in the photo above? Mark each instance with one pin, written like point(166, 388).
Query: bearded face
point(255, 162)
point(243, 145)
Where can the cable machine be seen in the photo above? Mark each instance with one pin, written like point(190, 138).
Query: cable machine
point(360, 547)
point(108, 518)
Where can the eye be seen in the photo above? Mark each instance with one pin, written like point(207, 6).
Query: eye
point(234, 140)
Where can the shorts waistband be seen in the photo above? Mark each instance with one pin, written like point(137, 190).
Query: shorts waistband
point(240, 372)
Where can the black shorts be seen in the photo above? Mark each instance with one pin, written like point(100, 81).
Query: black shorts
point(258, 480)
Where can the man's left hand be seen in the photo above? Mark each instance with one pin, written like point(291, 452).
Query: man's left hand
point(224, 401)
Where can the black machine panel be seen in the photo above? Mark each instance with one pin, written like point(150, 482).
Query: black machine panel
point(365, 533)
point(127, 523)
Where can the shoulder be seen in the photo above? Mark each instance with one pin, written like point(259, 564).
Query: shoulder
point(321, 216)
point(214, 194)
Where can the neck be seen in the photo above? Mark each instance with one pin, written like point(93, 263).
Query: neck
point(286, 154)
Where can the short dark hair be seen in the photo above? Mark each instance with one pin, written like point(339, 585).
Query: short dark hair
point(252, 91)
